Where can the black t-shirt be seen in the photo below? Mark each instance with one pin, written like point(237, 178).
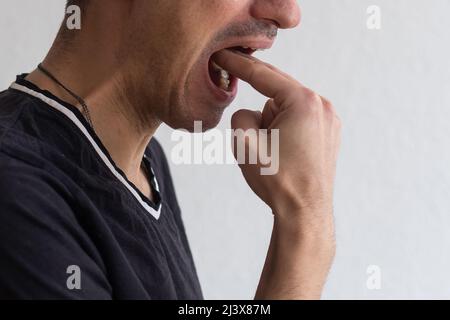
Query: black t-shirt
point(72, 226)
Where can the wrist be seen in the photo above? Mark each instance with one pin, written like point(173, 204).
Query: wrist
point(307, 228)
point(288, 202)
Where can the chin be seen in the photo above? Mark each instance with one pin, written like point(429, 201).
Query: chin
point(208, 124)
point(208, 115)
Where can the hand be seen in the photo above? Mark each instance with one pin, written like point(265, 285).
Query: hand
point(309, 137)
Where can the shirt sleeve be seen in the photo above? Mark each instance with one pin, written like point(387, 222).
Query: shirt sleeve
point(43, 253)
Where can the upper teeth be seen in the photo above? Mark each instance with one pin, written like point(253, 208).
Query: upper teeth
point(224, 76)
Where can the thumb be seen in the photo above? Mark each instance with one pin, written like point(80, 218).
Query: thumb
point(246, 119)
point(245, 125)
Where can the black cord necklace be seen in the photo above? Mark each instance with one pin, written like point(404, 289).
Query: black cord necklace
point(85, 111)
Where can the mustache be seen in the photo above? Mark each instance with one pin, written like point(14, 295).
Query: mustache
point(250, 28)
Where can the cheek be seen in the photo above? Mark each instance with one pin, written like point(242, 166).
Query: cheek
point(186, 38)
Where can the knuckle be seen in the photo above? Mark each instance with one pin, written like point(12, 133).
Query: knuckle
point(236, 117)
point(330, 109)
point(328, 105)
point(337, 122)
point(310, 96)
point(313, 101)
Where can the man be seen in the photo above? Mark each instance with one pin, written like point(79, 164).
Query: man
point(87, 205)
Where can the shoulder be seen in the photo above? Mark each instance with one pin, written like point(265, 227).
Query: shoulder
point(28, 190)
point(31, 188)
point(12, 103)
point(29, 181)
point(18, 125)
point(40, 236)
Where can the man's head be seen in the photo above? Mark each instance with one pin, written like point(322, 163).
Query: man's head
point(163, 49)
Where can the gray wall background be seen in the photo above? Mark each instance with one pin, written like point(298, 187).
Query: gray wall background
point(392, 90)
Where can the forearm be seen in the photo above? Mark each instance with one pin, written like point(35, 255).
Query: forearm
point(299, 257)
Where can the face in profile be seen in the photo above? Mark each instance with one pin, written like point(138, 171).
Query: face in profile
point(172, 43)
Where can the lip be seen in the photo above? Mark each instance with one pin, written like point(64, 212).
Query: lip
point(224, 96)
point(258, 43)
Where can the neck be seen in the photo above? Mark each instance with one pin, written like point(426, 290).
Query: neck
point(119, 120)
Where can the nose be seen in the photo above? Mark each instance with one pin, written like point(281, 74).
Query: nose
point(285, 14)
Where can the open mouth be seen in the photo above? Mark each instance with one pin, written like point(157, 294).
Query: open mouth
point(222, 78)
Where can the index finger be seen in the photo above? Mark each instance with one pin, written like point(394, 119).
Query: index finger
point(260, 76)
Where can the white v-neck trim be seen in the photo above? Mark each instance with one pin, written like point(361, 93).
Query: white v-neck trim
point(69, 114)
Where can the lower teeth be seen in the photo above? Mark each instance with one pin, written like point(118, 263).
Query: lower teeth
point(224, 77)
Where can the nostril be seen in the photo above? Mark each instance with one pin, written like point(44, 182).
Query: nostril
point(274, 22)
